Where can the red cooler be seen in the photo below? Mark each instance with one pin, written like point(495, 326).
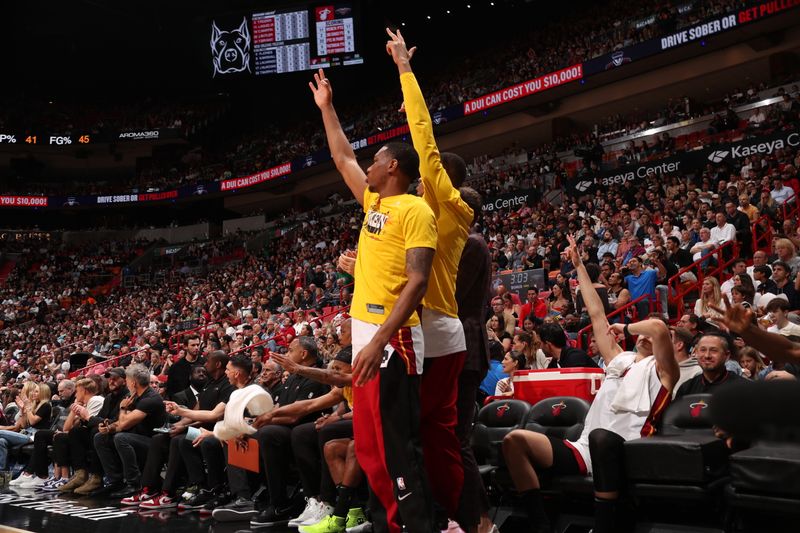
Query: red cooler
point(534, 385)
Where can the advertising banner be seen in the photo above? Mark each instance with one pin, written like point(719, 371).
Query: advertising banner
point(689, 161)
point(526, 88)
point(512, 200)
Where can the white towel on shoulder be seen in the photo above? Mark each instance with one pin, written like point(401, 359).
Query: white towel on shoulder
point(252, 398)
point(633, 394)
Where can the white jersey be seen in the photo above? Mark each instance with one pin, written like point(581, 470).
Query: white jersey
point(628, 425)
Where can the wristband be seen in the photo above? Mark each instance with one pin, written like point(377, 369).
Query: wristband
point(625, 330)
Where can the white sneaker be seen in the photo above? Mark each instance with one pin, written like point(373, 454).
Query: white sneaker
point(19, 480)
point(33, 482)
point(311, 504)
point(318, 514)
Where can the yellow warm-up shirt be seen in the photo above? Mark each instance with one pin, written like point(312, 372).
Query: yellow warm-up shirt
point(391, 226)
point(453, 215)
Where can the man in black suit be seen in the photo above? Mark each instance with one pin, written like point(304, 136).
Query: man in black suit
point(554, 345)
point(197, 381)
point(473, 286)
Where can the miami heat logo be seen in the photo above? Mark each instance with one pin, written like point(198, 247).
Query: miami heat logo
point(697, 408)
point(230, 49)
point(558, 407)
point(502, 410)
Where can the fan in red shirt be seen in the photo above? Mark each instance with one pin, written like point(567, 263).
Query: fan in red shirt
point(534, 305)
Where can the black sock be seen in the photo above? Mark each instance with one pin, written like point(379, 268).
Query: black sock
point(343, 499)
point(605, 512)
point(532, 503)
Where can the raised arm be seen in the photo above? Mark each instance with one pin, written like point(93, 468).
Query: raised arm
point(341, 150)
point(418, 268)
point(740, 321)
point(438, 186)
point(606, 343)
point(664, 353)
point(327, 376)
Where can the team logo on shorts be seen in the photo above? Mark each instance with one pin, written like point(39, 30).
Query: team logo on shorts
point(557, 408)
point(697, 408)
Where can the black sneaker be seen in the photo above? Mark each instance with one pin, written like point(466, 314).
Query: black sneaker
point(272, 516)
point(198, 500)
point(219, 500)
point(238, 509)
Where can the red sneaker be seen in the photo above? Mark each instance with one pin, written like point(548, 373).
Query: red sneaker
point(136, 499)
point(162, 501)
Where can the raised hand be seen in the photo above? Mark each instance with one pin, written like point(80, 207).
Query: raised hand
point(572, 251)
point(321, 87)
point(396, 47)
point(734, 317)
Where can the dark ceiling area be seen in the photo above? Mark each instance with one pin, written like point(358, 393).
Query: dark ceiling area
point(98, 48)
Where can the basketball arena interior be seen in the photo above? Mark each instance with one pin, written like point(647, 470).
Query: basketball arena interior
point(354, 266)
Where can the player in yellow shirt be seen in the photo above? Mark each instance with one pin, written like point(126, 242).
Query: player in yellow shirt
point(445, 347)
point(396, 248)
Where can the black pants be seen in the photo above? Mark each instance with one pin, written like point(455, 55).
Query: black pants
point(308, 446)
point(275, 450)
point(76, 449)
point(61, 455)
point(474, 501)
point(194, 461)
point(39, 462)
point(215, 453)
point(164, 449)
point(607, 451)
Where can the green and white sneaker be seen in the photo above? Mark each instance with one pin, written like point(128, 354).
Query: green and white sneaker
point(357, 519)
point(329, 524)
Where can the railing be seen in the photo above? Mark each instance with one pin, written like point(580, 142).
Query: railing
point(791, 211)
point(677, 290)
point(173, 338)
point(762, 234)
point(108, 362)
point(586, 332)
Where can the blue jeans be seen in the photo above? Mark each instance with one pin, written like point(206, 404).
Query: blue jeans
point(9, 439)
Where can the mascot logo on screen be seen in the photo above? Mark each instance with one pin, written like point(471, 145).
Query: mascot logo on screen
point(230, 49)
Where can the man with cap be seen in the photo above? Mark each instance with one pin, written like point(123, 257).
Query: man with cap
point(83, 456)
point(121, 444)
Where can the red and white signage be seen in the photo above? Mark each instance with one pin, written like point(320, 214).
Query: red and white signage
point(255, 179)
point(526, 88)
point(23, 201)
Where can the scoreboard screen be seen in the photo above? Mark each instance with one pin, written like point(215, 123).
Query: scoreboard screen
point(292, 39)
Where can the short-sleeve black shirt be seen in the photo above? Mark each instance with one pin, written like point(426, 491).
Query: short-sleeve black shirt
point(214, 393)
point(699, 384)
point(151, 403)
point(45, 412)
point(300, 388)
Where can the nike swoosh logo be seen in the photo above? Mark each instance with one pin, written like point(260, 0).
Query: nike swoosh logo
point(404, 496)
